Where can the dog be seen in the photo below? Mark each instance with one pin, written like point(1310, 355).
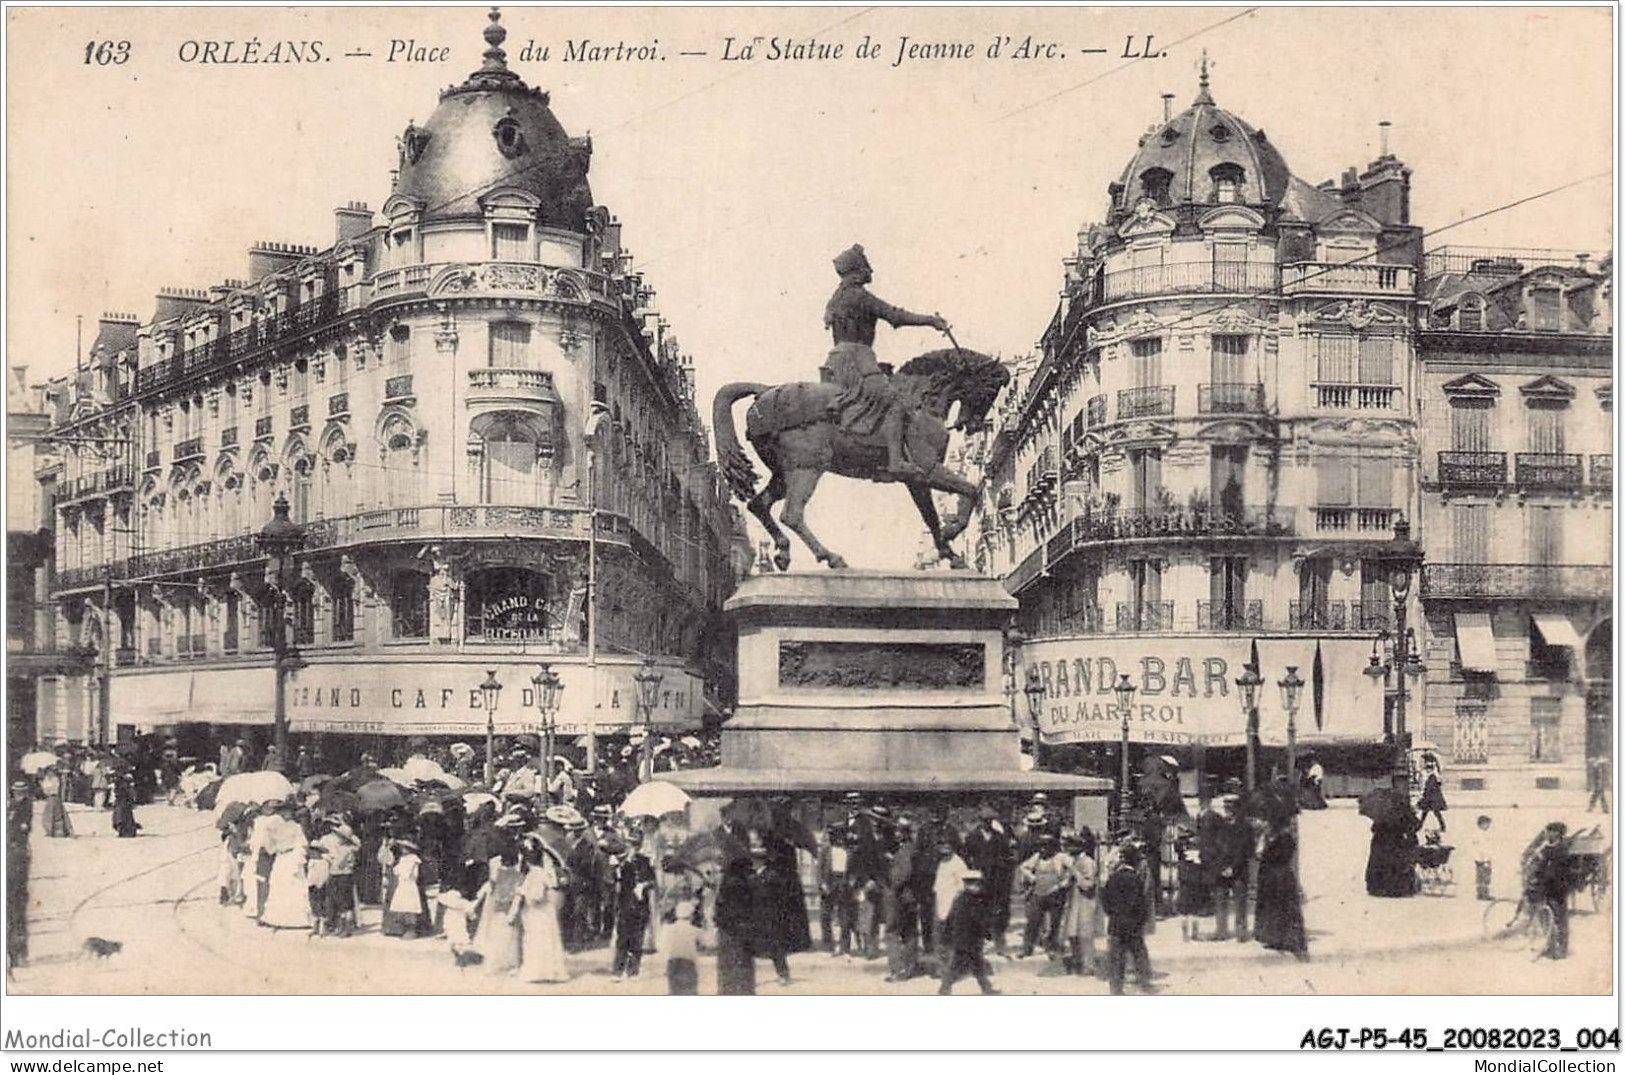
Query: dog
point(101, 948)
point(466, 957)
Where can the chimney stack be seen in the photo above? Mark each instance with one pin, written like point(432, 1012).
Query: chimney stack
point(1382, 134)
point(1167, 107)
point(351, 221)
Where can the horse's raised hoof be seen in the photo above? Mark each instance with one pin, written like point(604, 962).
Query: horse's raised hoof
point(835, 563)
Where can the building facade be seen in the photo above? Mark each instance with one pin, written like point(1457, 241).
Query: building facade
point(1517, 505)
point(481, 422)
point(1213, 445)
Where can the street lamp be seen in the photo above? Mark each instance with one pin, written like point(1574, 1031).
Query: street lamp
point(549, 692)
point(648, 679)
point(1291, 692)
point(1402, 559)
point(280, 541)
point(1247, 685)
point(489, 691)
point(1125, 701)
point(1034, 690)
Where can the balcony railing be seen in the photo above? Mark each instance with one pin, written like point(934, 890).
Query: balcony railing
point(523, 277)
point(1318, 616)
point(1549, 470)
point(228, 437)
point(189, 449)
point(100, 483)
point(1354, 520)
point(1230, 398)
point(1602, 471)
point(338, 404)
point(1230, 615)
point(299, 417)
point(232, 348)
point(1145, 616)
point(1145, 402)
point(262, 428)
point(1367, 278)
point(1472, 468)
point(1097, 410)
point(1185, 278)
point(1359, 397)
point(529, 382)
point(398, 387)
point(1086, 619)
point(1517, 581)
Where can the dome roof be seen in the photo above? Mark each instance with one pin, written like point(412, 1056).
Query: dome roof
point(493, 132)
point(1203, 143)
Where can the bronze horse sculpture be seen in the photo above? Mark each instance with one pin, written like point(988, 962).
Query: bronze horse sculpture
point(796, 433)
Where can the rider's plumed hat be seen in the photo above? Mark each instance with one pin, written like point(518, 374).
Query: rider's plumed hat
point(851, 260)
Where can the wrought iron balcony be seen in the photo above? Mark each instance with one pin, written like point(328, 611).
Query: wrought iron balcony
point(1145, 616)
point(1186, 278)
point(228, 437)
point(1472, 468)
point(1239, 398)
point(1602, 471)
point(114, 479)
point(1145, 402)
point(1359, 397)
point(1550, 470)
point(1318, 616)
point(1230, 615)
point(316, 315)
point(299, 417)
point(1365, 277)
point(338, 404)
point(262, 428)
point(1514, 582)
point(189, 449)
point(1086, 619)
point(399, 387)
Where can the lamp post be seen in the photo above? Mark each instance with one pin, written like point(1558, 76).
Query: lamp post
point(648, 679)
point(549, 692)
point(1402, 558)
point(1125, 700)
point(1291, 686)
point(1247, 685)
point(489, 691)
point(1034, 690)
point(280, 540)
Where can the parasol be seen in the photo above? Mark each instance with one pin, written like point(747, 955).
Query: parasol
point(230, 815)
point(378, 797)
point(655, 799)
point(691, 741)
point(473, 800)
point(461, 750)
point(1384, 805)
point(267, 785)
point(398, 775)
point(337, 799)
point(311, 783)
point(422, 769)
point(37, 762)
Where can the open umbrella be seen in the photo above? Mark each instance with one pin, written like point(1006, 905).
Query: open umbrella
point(37, 761)
point(1384, 805)
point(423, 769)
point(473, 800)
point(336, 799)
point(267, 785)
point(230, 815)
point(398, 774)
point(311, 783)
point(378, 797)
point(655, 799)
point(461, 750)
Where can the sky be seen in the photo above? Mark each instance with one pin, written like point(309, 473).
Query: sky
point(737, 180)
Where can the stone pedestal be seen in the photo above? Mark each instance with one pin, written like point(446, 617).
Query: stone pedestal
point(875, 682)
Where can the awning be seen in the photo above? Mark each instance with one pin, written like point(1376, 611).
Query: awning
point(1475, 641)
point(1556, 629)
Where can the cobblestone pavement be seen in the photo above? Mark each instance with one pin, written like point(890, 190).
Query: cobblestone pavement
point(157, 895)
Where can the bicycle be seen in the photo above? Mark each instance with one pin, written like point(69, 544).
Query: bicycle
point(1524, 920)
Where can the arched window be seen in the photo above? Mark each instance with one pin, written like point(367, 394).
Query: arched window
point(1227, 180)
point(409, 604)
point(1154, 184)
point(400, 344)
point(338, 493)
point(342, 593)
point(400, 464)
point(299, 489)
point(510, 460)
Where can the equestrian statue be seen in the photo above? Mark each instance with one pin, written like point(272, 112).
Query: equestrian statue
point(861, 421)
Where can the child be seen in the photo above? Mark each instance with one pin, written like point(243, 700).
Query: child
point(1480, 847)
point(969, 923)
point(681, 941)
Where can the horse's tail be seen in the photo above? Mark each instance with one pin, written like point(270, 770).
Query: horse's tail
point(731, 457)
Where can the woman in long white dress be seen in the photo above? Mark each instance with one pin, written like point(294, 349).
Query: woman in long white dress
point(287, 903)
point(497, 938)
point(537, 908)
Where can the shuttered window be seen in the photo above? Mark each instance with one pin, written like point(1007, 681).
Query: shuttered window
point(1377, 360)
point(1376, 477)
point(1470, 533)
point(1335, 476)
point(1545, 535)
point(1336, 359)
point(1230, 360)
point(510, 345)
point(1546, 429)
point(1470, 426)
point(1147, 363)
point(510, 242)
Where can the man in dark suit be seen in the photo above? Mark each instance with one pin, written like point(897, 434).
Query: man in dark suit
point(967, 928)
point(990, 849)
point(1221, 840)
point(1127, 908)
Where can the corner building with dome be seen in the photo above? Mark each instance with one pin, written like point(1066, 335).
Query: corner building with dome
point(421, 391)
point(1208, 453)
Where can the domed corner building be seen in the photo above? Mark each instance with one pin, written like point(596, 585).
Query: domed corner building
point(422, 392)
point(1210, 454)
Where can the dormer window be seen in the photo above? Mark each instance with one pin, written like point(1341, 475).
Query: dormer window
point(1227, 180)
point(1154, 184)
point(1470, 314)
point(403, 247)
point(510, 242)
point(510, 138)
